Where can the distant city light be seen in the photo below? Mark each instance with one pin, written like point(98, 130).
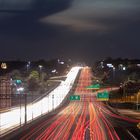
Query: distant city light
point(20, 89)
point(28, 65)
point(124, 68)
point(114, 68)
point(4, 66)
point(40, 66)
point(110, 65)
point(102, 64)
point(54, 71)
point(62, 63)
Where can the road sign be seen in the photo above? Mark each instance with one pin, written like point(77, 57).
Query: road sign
point(74, 97)
point(96, 86)
point(18, 81)
point(104, 96)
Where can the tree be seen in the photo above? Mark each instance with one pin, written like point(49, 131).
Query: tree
point(33, 84)
point(44, 76)
point(34, 75)
point(134, 76)
point(15, 74)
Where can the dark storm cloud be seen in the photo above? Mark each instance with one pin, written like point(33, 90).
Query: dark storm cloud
point(32, 4)
point(32, 8)
point(86, 31)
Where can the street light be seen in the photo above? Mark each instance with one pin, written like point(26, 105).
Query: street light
point(40, 70)
point(40, 67)
point(124, 68)
point(114, 69)
point(21, 89)
point(28, 65)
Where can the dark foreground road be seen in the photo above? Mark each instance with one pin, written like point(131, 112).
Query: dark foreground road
point(87, 119)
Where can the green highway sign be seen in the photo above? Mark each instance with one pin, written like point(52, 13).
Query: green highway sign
point(74, 97)
point(17, 81)
point(95, 86)
point(104, 96)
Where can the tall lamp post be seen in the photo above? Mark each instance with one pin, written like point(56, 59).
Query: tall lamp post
point(138, 95)
point(28, 66)
point(114, 69)
point(40, 70)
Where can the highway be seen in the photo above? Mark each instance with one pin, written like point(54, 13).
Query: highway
point(87, 119)
point(17, 116)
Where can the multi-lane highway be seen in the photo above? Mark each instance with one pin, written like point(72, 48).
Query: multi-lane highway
point(87, 119)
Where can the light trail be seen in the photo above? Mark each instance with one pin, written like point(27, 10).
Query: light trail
point(16, 116)
point(80, 120)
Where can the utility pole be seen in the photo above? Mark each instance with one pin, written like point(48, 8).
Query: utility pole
point(124, 90)
point(20, 108)
point(138, 100)
point(53, 102)
point(40, 72)
point(25, 108)
point(137, 103)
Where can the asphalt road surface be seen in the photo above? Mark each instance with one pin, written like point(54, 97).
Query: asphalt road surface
point(87, 119)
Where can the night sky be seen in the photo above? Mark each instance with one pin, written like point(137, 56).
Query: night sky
point(84, 30)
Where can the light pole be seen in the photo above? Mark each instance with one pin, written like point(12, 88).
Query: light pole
point(114, 69)
point(138, 100)
point(124, 91)
point(53, 102)
point(25, 108)
point(28, 66)
point(40, 70)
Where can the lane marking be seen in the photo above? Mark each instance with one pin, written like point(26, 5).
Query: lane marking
point(132, 135)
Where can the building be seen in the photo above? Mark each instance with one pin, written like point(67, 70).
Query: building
point(5, 92)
